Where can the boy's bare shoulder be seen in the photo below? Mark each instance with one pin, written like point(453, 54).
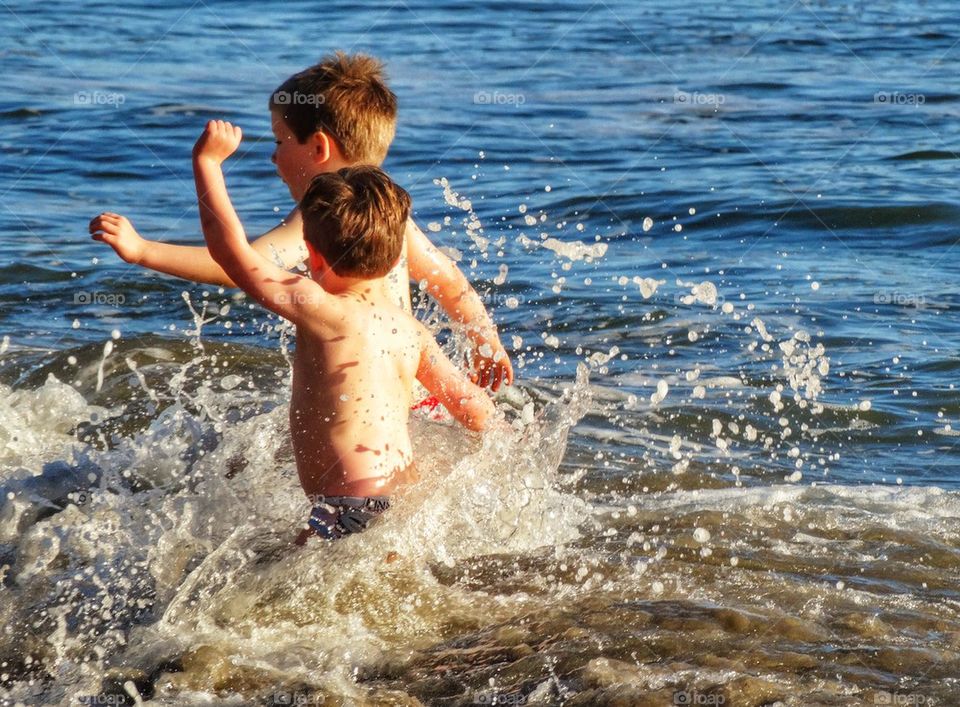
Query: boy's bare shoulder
point(283, 243)
point(409, 327)
point(361, 313)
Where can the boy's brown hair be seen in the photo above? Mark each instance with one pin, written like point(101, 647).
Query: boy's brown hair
point(345, 96)
point(356, 218)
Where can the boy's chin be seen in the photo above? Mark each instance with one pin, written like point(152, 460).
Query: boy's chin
point(289, 187)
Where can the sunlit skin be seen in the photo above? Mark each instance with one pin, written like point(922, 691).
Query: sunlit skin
point(297, 163)
point(357, 352)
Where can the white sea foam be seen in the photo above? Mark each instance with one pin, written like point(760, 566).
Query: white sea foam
point(151, 525)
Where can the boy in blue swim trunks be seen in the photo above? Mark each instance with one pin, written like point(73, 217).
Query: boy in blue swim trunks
point(357, 351)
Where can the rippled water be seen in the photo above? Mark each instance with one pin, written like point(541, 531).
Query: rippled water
point(749, 493)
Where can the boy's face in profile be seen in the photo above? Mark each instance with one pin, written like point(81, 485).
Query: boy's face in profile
point(297, 163)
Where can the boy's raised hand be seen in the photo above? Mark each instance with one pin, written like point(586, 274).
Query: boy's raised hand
point(219, 140)
point(118, 233)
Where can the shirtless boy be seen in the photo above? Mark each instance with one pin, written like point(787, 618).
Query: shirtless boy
point(335, 114)
point(357, 351)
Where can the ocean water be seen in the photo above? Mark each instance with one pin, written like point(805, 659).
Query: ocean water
point(720, 243)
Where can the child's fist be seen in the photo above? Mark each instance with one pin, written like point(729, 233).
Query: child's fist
point(118, 233)
point(219, 140)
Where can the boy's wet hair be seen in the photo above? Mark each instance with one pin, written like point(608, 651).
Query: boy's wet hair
point(345, 96)
point(356, 218)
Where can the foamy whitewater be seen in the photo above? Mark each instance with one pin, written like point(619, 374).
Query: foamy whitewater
point(172, 545)
point(152, 557)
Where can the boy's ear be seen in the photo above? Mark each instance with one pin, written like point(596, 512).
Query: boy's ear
point(314, 259)
point(321, 144)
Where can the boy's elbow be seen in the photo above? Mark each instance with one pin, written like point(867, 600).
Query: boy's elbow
point(209, 223)
point(456, 284)
point(444, 279)
point(221, 254)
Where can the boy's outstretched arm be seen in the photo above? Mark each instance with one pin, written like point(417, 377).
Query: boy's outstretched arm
point(284, 243)
point(462, 303)
point(468, 403)
point(291, 296)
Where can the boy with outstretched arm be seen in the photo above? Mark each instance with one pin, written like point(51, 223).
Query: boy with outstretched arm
point(337, 113)
point(357, 351)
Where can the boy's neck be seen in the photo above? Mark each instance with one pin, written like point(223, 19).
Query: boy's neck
point(373, 290)
point(334, 164)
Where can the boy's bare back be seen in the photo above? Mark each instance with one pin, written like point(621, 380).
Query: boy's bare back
point(352, 389)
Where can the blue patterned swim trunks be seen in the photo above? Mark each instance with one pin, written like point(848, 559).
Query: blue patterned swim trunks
point(336, 516)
